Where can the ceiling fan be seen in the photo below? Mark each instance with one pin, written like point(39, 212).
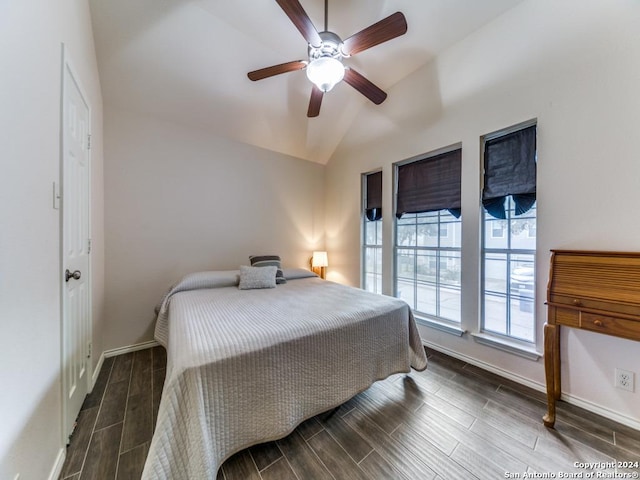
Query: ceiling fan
point(326, 51)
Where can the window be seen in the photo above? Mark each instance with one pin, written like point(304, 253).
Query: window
point(428, 264)
point(428, 235)
point(372, 232)
point(508, 259)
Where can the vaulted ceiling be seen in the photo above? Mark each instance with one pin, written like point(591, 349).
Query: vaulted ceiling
point(186, 61)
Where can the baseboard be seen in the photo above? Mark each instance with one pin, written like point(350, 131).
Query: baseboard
point(573, 400)
point(130, 348)
point(58, 464)
point(96, 372)
point(602, 411)
point(486, 366)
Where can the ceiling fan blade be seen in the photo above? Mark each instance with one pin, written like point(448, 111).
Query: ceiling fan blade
point(276, 70)
point(315, 102)
point(301, 20)
point(364, 86)
point(391, 27)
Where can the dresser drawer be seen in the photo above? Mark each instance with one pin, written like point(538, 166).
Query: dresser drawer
point(619, 327)
point(565, 316)
point(581, 302)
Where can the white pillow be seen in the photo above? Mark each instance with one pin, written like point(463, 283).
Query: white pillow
point(198, 280)
point(293, 273)
point(257, 277)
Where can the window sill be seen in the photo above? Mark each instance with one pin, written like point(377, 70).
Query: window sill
point(505, 345)
point(442, 326)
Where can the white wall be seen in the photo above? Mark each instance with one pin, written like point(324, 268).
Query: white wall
point(574, 66)
point(30, 48)
point(179, 200)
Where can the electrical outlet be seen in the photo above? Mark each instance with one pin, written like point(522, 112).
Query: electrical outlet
point(624, 379)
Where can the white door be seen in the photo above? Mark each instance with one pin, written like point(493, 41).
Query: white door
point(76, 308)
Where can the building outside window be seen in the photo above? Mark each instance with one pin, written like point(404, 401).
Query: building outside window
point(372, 232)
point(509, 234)
point(428, 235)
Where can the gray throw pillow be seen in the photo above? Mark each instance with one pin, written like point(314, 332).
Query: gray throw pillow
point(257, 277)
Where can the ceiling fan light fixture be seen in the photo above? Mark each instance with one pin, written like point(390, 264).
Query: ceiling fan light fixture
point(325, 72)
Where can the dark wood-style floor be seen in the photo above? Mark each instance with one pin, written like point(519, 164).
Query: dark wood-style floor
point(453, 421)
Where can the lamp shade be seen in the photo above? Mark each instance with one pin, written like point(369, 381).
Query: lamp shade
point(325, 72)
point(319, 259)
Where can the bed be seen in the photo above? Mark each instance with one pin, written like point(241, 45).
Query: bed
point(247, 366)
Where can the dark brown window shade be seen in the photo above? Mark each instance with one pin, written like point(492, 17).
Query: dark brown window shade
point(430, 185)
point(373, 200)
point(510, 169)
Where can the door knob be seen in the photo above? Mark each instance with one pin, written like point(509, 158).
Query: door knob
point(75, 275)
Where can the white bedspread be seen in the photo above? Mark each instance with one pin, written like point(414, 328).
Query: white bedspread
point(247, 366)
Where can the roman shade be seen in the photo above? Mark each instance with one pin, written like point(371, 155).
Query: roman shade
point(430, 185)
point(373, 198)
point(510, 169)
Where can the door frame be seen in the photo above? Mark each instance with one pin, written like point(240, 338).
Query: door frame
point(68, 67)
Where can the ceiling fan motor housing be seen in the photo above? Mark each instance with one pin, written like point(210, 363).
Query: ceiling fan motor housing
point(331, 47)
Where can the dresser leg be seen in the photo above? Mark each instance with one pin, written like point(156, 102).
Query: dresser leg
point(552, 371)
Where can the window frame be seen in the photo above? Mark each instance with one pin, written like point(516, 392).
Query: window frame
point(487, 335)
point(364, 246)
point(449, 326)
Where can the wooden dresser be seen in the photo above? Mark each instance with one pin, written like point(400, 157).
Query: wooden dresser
point(596, 291)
